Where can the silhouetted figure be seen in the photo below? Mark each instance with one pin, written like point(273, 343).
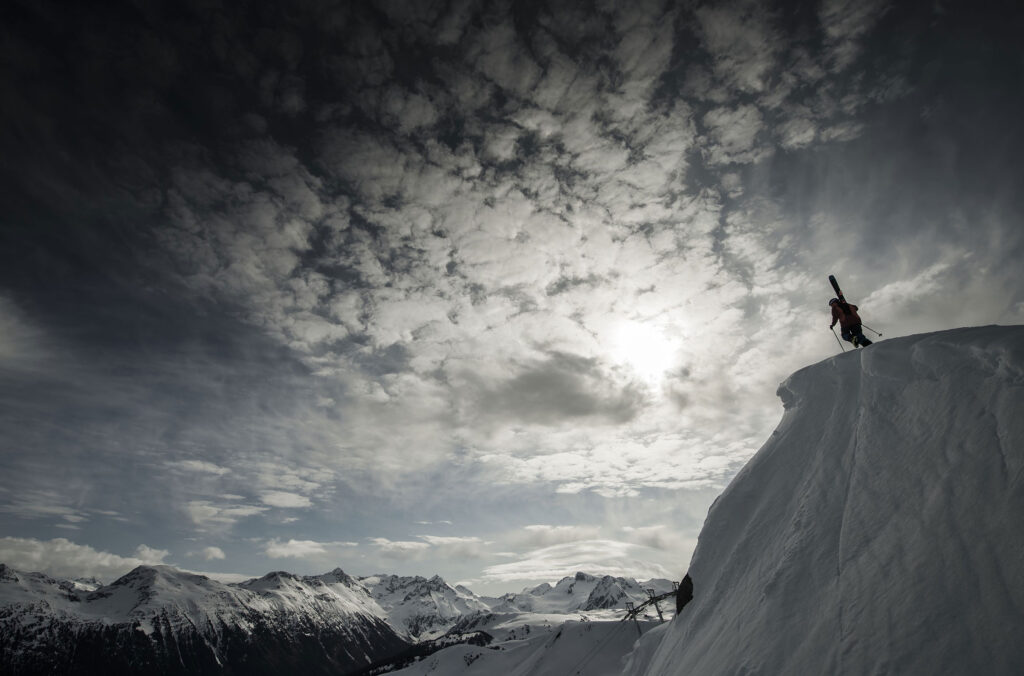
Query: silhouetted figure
point(684, 594)
point(849, 322)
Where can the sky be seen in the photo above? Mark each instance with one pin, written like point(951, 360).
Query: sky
point(497, 291)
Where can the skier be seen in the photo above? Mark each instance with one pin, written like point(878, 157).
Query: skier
point(684, 594)
point(849, 322)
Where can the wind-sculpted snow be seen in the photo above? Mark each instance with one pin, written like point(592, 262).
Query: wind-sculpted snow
point(878, 531)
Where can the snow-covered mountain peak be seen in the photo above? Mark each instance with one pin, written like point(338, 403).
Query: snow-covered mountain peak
point(18, 587)
point(144, 589)
point(580, 592)
point(274, 580)
point(146, 576)
point(419, 606)
point(338, 576)
point(158, 619)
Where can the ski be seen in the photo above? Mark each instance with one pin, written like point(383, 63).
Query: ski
point(835, 285)
point(839, 293)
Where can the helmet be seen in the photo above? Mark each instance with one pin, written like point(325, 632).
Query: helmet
point(833, 301)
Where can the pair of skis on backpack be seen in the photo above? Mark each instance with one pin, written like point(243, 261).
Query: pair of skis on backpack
point(855, 334)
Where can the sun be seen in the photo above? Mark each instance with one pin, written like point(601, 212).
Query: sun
point(643, 348)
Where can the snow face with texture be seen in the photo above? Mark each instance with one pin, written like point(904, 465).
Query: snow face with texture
point(879, 530)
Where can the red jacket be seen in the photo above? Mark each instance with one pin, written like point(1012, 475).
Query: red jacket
point(846, 320)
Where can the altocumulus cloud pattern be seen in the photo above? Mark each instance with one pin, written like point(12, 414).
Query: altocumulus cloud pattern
point(486, 289)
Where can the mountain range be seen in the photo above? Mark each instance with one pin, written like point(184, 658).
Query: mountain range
point(158, 619)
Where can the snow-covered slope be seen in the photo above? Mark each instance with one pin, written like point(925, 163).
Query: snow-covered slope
point(574, 626)
point(880, 530)
point(567, 646)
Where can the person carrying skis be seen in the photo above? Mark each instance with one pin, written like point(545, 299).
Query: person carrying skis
point(849, 322)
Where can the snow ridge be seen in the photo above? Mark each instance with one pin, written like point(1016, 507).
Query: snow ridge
point(878, 529)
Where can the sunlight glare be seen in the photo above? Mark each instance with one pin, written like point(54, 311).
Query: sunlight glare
point(644, 348)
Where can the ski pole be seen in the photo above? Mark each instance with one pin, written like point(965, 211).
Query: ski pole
point(869, 329)
point(838, 341)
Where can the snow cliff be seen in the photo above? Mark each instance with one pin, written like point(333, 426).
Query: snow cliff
point(878, 531)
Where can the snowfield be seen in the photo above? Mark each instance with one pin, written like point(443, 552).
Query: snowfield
point(880, 530)
point(594, 646)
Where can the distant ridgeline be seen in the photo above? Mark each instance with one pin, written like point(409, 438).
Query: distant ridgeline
point(163, 621)
point(157, 619)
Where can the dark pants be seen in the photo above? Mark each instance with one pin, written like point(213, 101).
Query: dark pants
point(850, 332)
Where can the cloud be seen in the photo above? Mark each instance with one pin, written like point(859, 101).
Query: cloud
point(456, 547)
point(287, 485)
point(295, 549)
point(743, 44)
point(212, 553)
point(199, 466)
point(899, 296)
point(542, 535)
point(441, 253)
point(22, 344)
point(845, 22)
point(400, 549)
point(64, 559)
point(622, 466)
point(434, 547)
point(151, 554)
point(212, 516)
point(661, 542)
point(797, 133)
point(43, 504)
point(285, 500)
point(658, 536)
point(599, 557)
point(563, 387)
point(499, 56)
point(733, 133)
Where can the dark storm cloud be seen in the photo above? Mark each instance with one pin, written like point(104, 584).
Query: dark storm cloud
point(560, 389)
